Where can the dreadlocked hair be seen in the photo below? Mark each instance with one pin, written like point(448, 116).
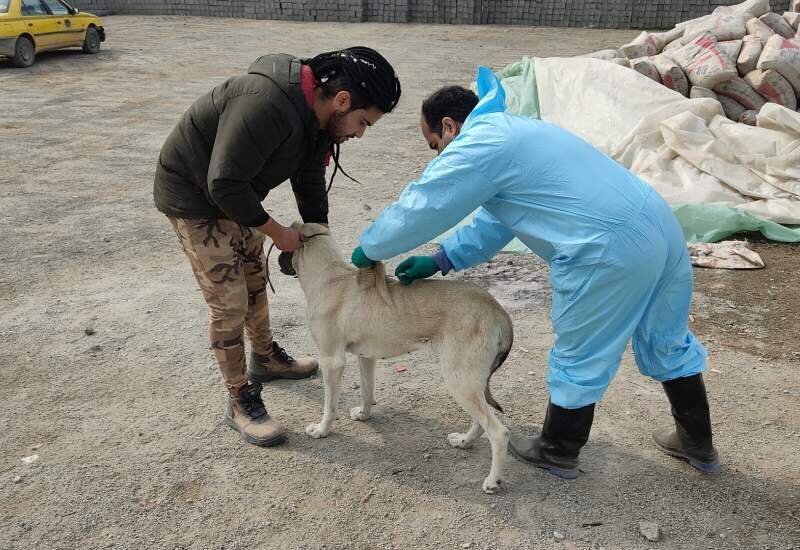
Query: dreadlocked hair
point(366, 75)
point(361, 71)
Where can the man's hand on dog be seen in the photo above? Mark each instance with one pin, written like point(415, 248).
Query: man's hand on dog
point(359, 259)
point(287, 239)
point(416, 267)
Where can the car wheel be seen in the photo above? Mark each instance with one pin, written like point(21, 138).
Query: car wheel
point(91, 44)
point(24, 52)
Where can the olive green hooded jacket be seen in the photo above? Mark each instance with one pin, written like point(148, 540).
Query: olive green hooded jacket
point(241, 140)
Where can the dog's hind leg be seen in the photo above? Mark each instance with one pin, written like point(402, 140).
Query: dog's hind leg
point(332, 369)
point(468, 390)
point(465, 440)
point(498, 436)
point(367, 367)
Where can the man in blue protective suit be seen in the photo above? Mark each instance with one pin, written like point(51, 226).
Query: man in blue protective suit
point(618, 261)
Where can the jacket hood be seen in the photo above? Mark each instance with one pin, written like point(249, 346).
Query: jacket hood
point(284, 70)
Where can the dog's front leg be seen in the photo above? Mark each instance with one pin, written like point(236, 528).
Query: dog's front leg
point(367, 367)
point(332, 369)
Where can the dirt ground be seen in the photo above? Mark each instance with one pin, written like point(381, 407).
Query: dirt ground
point(106, 375)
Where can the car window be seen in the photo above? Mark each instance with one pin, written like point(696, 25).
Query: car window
point(4, 6)
point(33, 7)
point(56, 7)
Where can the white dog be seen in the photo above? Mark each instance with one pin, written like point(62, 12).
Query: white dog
point(374, 317)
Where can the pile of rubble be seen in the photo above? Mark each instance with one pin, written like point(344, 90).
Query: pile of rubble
point(743, 56)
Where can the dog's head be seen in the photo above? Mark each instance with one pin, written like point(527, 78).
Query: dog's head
point(290, 262)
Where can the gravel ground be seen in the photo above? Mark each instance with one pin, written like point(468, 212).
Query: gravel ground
point(108, 379)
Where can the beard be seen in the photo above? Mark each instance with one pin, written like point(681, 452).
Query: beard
point(335, 128)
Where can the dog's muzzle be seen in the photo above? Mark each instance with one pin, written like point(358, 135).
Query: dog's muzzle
point(285, 263)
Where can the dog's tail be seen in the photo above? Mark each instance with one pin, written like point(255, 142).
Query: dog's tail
point(506, 337)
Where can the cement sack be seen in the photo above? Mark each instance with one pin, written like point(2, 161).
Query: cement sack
point(742, 92)
point(782, 55)
point(703, 62)
point(749, 117)
point(603, 54)
point(644, 45)
point(723, 27)
point(772, 87)
point(672, 46)
point(748, 9)
point(624, 61)
point(647, 68)
point(672, 76)
point(733, 109)
point(758, 28)
point(793, 18)
point(667, 37)
point(752, 8)
point(778, 24)
point(697, 92)
point(731, 48)
point(748, 57)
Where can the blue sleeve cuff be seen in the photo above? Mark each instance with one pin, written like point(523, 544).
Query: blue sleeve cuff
point(441, 259)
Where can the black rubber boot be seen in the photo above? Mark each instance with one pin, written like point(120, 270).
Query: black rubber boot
point(556, 450)
point(691, 439)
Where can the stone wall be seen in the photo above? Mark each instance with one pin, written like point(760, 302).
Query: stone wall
point(98, 7)
point(618, 14)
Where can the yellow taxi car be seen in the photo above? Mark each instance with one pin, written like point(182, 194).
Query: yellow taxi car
point(28, 27)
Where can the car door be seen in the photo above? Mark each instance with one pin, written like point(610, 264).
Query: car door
point(8, 31)
point(39, 23)
point(67, 33)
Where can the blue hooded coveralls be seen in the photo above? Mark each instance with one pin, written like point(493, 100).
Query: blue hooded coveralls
point(619, 267)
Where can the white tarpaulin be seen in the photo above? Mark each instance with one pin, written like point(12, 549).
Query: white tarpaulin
point(721, 178)
point(684, 147)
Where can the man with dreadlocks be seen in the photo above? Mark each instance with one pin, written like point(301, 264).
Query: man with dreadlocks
point(282, 120)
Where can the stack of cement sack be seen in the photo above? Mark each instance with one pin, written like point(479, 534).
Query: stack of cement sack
point(743, 56)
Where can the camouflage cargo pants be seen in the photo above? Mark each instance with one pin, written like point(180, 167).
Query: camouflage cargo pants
point(229, 264)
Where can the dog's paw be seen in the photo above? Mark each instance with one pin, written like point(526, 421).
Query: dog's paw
point(491, 485)
point(315, 431)
point(459, 441)
point(356, 413)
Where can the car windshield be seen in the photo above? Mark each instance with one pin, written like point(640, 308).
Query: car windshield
point(4, 5)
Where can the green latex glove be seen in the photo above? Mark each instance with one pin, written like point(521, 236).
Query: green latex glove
point(359, 259)
point(416, 267)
